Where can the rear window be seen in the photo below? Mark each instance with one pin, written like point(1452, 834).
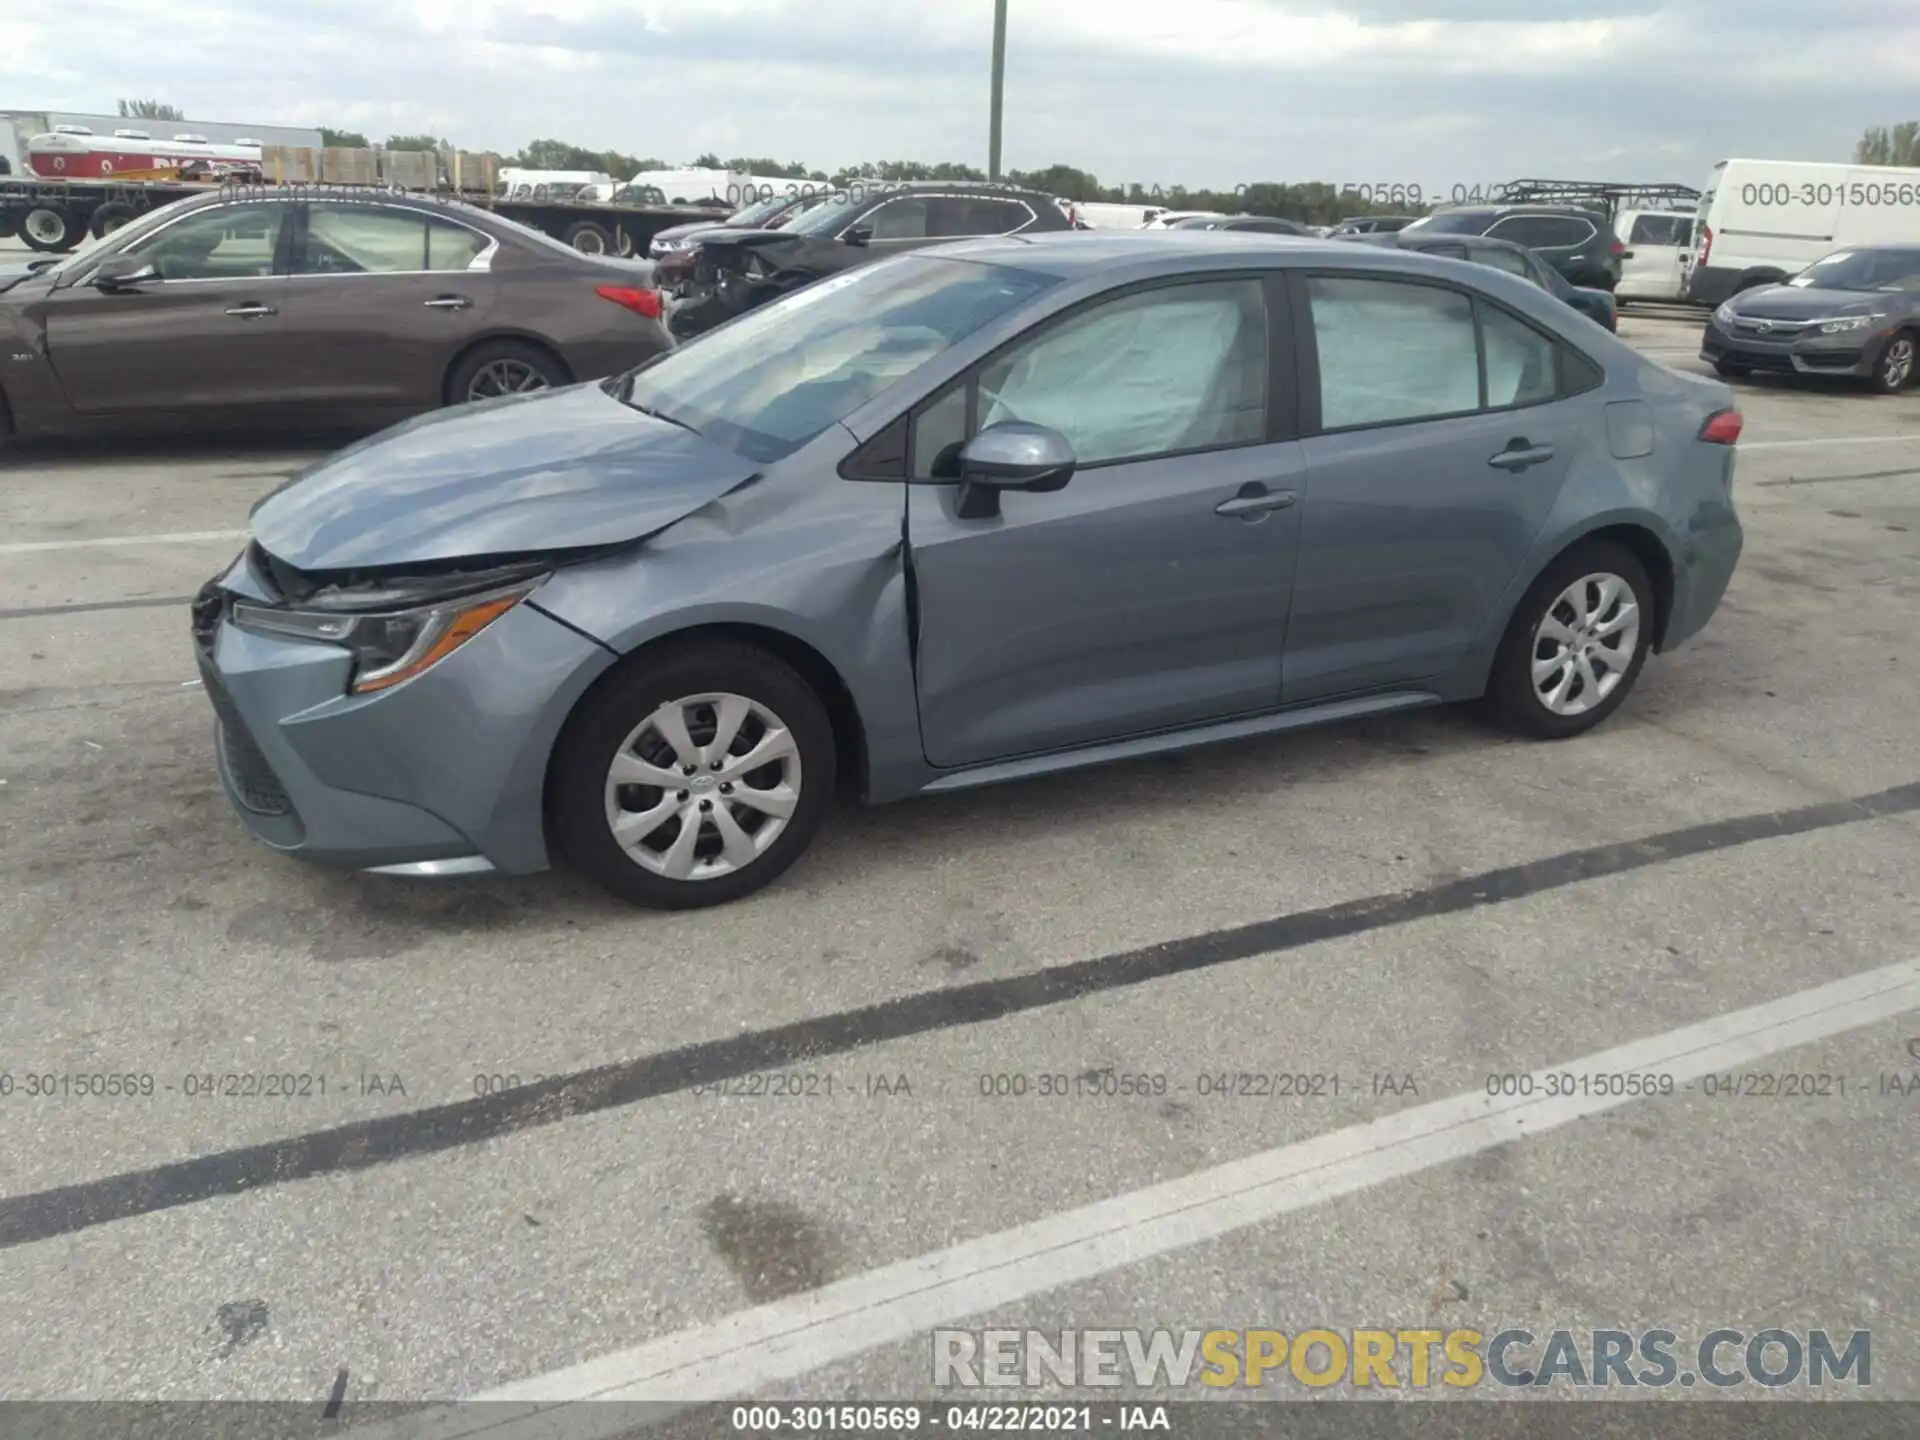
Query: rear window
point(1661, 230)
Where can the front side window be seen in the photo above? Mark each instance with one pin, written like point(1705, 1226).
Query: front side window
point(1158, 372)
point(767, 383)
point(1451, 222)
point(899, 220)
point(1392, 351)
point(959, 216)
point(228, 242)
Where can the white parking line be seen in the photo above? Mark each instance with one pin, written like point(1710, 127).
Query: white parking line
point(188, 537)
point(1844, 440)
point(752, 1349)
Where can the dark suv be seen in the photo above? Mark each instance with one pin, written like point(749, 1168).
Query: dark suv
point(1580, 244)
point(736, 270)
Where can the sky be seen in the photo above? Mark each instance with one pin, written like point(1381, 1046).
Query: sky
point(1434, 93)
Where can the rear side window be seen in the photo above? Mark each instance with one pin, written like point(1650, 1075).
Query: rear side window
point(1391, 351)
point(1511, 261)
point(1543, 231)
point(899, 220)
point(959, 216)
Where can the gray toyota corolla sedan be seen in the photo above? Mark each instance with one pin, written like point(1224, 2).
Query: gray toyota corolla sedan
point(959, 517)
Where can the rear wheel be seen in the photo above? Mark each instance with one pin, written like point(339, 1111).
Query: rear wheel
point(694, 779)
point(1895, 368)
point(1575, 644)
point(588, 238)
point(503, 367)
point(51, 229)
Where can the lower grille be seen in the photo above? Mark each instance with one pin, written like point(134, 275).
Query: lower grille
point(252, 776)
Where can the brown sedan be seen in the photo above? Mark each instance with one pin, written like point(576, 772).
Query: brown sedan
point(247, 306)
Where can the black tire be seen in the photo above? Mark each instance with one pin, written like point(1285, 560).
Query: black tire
point(577, 797)
point(468, 371)
point(37, 229)
point(1898, 364)
point(1730, 372)
point(9, 224)
point(109, 218)
point(588, 238)
point(1511, 699)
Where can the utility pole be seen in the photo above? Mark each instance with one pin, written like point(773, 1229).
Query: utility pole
point(999, 86)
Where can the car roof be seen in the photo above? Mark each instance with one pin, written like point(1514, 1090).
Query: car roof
point(1075, 254)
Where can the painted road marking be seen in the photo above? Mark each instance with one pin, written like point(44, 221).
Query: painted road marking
point(188, 537)
point(753, 1349)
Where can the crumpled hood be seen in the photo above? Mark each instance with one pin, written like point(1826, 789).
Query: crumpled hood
point(561, 470)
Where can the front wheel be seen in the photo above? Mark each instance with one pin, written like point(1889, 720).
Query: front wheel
point(1894, 370)
point(51, 229)
point(1575, 645)
point(695, 778)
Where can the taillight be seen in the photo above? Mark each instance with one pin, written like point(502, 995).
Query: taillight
point(1616, 248)
point(641, 302)
point(1723, 428)
point(1706, 243)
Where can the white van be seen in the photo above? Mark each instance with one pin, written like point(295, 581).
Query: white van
point(1104, 215)
point(1763, 220)
point(520, 184)
point(1659, 250)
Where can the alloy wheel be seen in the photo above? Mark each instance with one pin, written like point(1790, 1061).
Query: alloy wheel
point(505, 377)
point(1585, 644)
point(1896, 365)
point(703, 786)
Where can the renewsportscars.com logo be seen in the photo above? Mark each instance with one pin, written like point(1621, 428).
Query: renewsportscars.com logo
point(1396, 1359)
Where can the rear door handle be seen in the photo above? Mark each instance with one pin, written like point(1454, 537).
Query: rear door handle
point(1259, 502)
point(1520, 456)
point(252, 311)
point(449, 302)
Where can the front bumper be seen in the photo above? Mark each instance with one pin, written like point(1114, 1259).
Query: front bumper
point(1793, 353)
point(444, 774)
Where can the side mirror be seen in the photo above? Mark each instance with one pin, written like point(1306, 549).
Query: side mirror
point(859, 235)
point(124, 272)
point(1011, 456)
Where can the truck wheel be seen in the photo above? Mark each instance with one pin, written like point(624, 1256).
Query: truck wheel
point(51, 229)
point(623, 243)
point(588, 238)
point(109, 218)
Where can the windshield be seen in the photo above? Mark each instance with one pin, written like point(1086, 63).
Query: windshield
point(1863, 270)
point(755, 215)
point(1458, 222)
point(827, 218)
point(770, 381)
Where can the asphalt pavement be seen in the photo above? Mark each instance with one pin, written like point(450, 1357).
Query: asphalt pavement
point(1409, 913)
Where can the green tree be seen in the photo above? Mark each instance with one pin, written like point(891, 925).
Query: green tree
point(417, 142)
point(1062, 180)
point(765, 165)
point(149, 110)
point(709, 161)
point(343, 139)
point(1896, 145)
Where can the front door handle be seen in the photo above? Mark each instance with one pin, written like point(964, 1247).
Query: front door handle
point(1519, 455)
point(449, 302)
point(1255, 501)
point(252, 310)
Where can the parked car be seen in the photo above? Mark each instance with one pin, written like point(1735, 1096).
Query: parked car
point(737, 271)
point(1579, 243)
point(673, 250)
point(961, 517)
point(1371, 224)
point(1659, 250)
point(1854, 312)
point(1167, 219)
point(232, 308)
point(1243, 224)
point(1760, 221)
point(762, 215)
point(1596, 305)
